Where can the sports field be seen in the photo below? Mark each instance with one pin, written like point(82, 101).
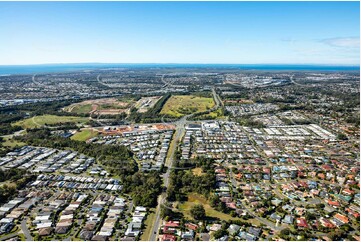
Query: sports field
point(43, 120)
point(180, 105)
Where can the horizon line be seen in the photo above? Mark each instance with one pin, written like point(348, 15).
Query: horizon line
point(176, 63)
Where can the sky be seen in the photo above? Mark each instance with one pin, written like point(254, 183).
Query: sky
point(180, 32)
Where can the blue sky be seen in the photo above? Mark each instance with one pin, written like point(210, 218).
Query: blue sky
point(180, 32)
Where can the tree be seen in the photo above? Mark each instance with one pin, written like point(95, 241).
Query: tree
point(166, 212)
point(220, 233)
point(285, 231)
point(341, 136)
point(198, 212)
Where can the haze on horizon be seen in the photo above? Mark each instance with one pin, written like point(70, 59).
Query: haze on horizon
point(180, 32)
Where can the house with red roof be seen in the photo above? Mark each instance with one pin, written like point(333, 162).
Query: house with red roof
point(348, 192)
point(167, 237)
point(172, 224)
point(353, 213)
point(191, 226)
point(302, 222)
point(333, 203)
point(342, 218)
point(326, 223)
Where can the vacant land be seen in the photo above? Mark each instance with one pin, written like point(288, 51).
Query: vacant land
point(43, 120)
point(84, 135)
point(197, 171)
point(81, 109)
point(101, 106)
point(9, 142)
point(194, 198)
point(216, 114)
point(180, 105)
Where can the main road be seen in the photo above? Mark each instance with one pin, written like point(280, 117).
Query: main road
point(169, 163)
point(180, 129)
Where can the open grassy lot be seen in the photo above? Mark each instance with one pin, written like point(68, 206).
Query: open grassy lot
point(148, 226)
point(197, 171)
point(12, 142)
point(217, 114)
point(81, 109)
point(103, 106)
point(194, 198)
point(180, 105)
point(84, 135)
point(39, 121)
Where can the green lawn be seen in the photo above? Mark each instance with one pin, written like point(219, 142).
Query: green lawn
point(148, 226)
point(180, 105)
point(217, 114)
point(194, 198)
point(39, 121)
point(84, 135)
point(86, 108)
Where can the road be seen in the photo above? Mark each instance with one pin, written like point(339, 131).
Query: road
point(298, 84)
point(102, 83)
point(169, 163)
point(265, 221)
point(180, 129)
point(25, 230)
point(35, 82)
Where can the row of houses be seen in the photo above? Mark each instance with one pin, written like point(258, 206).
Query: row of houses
point(134, 228)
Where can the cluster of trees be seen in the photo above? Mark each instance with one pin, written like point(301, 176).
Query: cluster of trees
point(288, 234)
point(184, 181)
point(167, 213)
point(341, 136)
point(18, 178)
point(143, 187)
point(40, 108)
point(6, 120)
point(12, 174)
point(218, 204)
point(354, 119)
point(198, 212)
point(249, 122)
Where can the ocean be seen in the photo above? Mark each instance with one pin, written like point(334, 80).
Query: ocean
point(54, 68)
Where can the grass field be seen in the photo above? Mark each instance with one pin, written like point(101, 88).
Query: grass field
point(81, 109)
point(104, 105)
point(84, 135)
point(217, 114)
point(180, 105)
point(148, 226)
point(12, 143)
point(194, 198)
point(39, 121)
